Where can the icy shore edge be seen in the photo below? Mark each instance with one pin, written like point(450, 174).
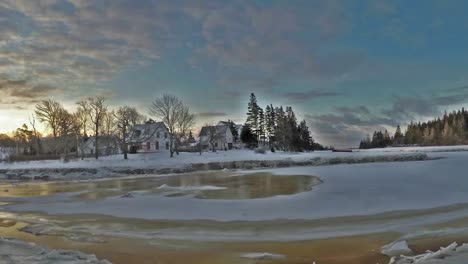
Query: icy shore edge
point(84, 173)
point(16, 251)
point(452, 254)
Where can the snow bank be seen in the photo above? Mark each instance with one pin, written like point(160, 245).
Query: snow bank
point(191, 188)
point(419, 149)
point(452, 254)
point(189, 162)
point(396, 249)
point(263, 256)
point(16, 251)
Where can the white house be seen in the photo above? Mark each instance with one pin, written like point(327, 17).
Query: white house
point(5, 153)
point(219, 137)
point(151, 137)
point(107, 145)
point(237, 141)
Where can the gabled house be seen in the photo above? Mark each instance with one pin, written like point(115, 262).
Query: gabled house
point(107, 145)
point(151, 137)
point(5, 153)
point(237, 142)
point(217, 137)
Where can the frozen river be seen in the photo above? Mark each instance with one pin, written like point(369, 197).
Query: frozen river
point(411, 199)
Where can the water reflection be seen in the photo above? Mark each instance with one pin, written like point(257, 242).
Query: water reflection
point(207, 185)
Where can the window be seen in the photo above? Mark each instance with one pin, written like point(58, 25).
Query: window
point(148, 145)
point(165, 134)
point(157, 145)
point(157, 134)
point(216, 144)
point(167, 145)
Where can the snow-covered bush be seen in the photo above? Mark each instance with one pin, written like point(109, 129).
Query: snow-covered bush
point(260, 151)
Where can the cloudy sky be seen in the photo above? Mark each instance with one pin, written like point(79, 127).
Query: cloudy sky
point(347, 67)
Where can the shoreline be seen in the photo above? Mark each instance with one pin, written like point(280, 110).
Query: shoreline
point(86, 173)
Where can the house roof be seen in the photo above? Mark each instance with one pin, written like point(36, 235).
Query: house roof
point(144, 132)
point(102, 141)
point(220, 131)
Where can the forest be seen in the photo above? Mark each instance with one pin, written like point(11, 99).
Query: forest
point(451, 129)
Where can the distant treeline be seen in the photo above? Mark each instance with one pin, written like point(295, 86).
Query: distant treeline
point(451, 129)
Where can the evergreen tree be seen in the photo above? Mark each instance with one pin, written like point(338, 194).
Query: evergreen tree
point(234, 130)
point(261, 126)
point(451, 129)
point(306, 140)
point(247, 137)
point(398, 138)
point(253, 119)
point(279, 126)
point(270, 120)
point(191, 138)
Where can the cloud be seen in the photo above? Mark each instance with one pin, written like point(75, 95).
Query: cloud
point(411, 108)
point(346, 125)
point(298, 97)
point(382, 7)
point(246, 39)
point(23, 91)
point(79, 43)
point(212, 114)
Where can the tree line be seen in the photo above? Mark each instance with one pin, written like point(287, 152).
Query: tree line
point(94, 118)
point(276, 127)
point(451, 129)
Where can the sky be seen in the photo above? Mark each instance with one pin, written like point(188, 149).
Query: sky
point(346, 67)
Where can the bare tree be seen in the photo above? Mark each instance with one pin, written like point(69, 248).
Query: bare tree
point(48, 111)
point(169, 109)
point(136, 118)
point(76, 131)
point(184, 122)
point(65, 130)
point(97, 113)
point(82, 124)
point(126, 117)
point(82, 115)
point(109, 129)
point(212, 137)
point(32, 121)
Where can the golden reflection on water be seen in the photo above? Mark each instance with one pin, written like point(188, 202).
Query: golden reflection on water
point(226, 186)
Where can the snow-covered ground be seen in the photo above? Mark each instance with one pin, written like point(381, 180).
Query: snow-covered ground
point(162, 159)
point(15, 251)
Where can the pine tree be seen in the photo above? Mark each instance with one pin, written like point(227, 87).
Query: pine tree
point(306, 140)
point(234, 130)
point(398, 137)
point(253, 115)
point(247, 137)
point(191, 138)
point(261, 126)
point(269, 124)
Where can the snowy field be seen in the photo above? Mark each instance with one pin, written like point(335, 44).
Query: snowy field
point(151, 160)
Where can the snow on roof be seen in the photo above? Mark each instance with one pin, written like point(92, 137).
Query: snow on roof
point(220, 131)
point(143, 132)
